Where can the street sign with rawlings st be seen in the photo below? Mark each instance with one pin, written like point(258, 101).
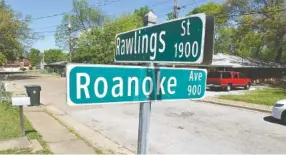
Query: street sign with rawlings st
point(184, 40)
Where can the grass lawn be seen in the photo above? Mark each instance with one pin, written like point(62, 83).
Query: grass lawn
point(10, 128)
point(266, 96)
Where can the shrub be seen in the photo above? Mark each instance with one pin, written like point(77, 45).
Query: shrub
point(22, 69)
point(30, 68)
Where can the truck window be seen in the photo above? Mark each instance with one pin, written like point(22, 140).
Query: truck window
point(214, 74)
point(226, 75)
point(242, 75)
point(235, 75)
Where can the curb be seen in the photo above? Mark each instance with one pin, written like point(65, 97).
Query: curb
point(238, 106)
point(94, 138)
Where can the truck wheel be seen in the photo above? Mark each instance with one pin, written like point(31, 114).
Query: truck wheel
point(247, 87)
point(228, 87)
point(283, 117)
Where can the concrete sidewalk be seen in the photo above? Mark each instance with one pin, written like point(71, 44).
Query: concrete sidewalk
point(238, 104)
point(102, 143)
point(58, 138)
point(55, 132)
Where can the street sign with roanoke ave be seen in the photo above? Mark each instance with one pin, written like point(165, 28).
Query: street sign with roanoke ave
point(99, 84)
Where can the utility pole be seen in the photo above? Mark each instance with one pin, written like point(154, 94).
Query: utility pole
point(175, 14)
point(175, 9)
point(70, 44)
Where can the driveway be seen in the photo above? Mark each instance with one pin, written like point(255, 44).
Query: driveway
point(236, 91)
point(176, 127)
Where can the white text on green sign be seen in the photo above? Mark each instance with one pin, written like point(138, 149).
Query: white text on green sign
point(176, 41)
point(96, 84)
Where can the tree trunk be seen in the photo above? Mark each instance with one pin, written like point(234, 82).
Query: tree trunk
point(278, 54)
point(279, 48)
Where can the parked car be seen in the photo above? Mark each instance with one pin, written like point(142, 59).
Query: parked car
point(227, 80)
point(279, 111)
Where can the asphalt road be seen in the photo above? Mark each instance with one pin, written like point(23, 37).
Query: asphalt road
point(190, 127)
point(176, 127)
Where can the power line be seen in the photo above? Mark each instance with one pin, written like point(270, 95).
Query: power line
point(182, 7)
point(159, 3)
point(63, 13)
point(248, 13)
point(43, 17)
point(45, 26)
point(188, 4)
point(103, 4)
point(245, 14)
point(45, 32)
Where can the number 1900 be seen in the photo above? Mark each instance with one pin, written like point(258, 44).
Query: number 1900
point(186, 50)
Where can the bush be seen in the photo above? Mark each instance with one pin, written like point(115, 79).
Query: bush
point(22, 69)
point(30, 68)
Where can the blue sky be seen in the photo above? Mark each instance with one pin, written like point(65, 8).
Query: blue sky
point(39, 8)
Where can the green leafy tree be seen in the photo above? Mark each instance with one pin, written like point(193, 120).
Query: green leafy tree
point(34, 56)
point(261, 28)
point(223, 32)
point(82, 18)
point(98, 45)
point(3, 59)
point(170, 16)
point(15, 34)
point(141, 12)
point(53, 55)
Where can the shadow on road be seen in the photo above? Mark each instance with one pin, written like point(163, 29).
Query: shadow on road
point(221, 90)
point(22, 77)
point(273, 120)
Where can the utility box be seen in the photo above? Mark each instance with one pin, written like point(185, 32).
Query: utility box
point(33, 92)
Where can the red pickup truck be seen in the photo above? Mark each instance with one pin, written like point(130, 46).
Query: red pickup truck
point(227, 80)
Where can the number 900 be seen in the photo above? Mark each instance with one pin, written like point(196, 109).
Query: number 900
point(194, 90)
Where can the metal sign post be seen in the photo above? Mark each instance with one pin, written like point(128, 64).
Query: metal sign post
point(22, 120)
point(145, 107)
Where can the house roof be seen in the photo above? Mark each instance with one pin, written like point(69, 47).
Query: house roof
point(18, 62)
point(221, 59)
point(226, 60)
point(59, 63)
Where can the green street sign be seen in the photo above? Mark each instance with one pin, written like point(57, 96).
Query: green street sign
point(184, 40)
point(101, 84)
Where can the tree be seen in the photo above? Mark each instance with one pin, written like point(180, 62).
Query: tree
point(34, 56)
point(3, 59)
point(53, 55)
point(223, 31)
point(83, 17)
point(141, 12)
point(261, 28)
point(15, 35)
point(98, 44)
point(170, 16)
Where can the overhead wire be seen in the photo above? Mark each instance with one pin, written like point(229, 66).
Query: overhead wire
point(60, 14)
point(183, 6)
point(63, 13)
point(43, 17)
